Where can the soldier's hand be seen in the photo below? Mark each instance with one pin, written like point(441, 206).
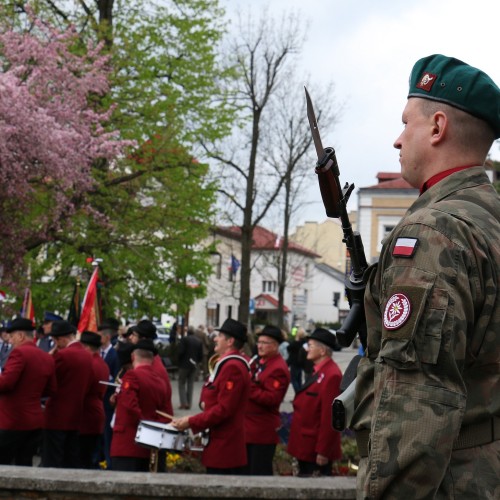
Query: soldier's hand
point(321, 459)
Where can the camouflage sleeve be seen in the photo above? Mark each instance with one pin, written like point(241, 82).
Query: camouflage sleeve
point(417, 351)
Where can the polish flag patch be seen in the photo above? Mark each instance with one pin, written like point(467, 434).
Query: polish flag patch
point(405, 247)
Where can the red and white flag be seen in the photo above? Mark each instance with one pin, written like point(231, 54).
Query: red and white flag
point(405, 247)
point(90, 315)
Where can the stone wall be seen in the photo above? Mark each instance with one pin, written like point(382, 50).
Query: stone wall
point(33, 483)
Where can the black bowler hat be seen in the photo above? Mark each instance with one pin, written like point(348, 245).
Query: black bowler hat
point(145, 329)
point(124, 350)
point(91, 338)
point(62, 328)
point(272, 331)
point(20, 325)
point(325, 337)
point(145, 345)
point(234, 329)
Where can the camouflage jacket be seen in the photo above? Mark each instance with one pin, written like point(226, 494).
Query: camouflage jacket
point(433, 356)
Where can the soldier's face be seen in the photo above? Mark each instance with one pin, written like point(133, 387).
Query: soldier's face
point(412, 143)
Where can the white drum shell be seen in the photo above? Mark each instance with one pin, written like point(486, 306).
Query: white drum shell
point(161, 436)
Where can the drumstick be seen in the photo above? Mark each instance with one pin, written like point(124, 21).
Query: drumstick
point(112, 384)
point(165, 414)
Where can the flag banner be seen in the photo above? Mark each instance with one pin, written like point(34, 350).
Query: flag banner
point(75, 306)
point(235, 264)
point(28, 310)
point(90, 314)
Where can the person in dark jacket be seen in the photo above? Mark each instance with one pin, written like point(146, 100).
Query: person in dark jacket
point(189, 354)
point(296, 356)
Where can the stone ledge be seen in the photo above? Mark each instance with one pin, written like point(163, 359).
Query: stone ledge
point(21, 483)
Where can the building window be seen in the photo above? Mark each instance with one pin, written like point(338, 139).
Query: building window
point(229, 312)
point(336, 298)
point(269, 286)
point(387, 230)
point(213, 315)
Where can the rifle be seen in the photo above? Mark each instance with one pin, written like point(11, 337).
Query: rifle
point(335, 201)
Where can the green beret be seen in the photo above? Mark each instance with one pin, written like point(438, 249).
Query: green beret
point(454, 82)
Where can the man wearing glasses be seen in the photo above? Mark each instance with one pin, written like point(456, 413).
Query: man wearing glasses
point(270, 381)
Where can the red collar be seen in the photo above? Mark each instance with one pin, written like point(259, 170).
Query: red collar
point(320, 365)
point(439, 177)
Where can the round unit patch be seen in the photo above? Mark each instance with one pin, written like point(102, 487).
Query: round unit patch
point(397, 311)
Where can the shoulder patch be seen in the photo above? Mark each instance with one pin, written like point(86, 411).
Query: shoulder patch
point(229, 385)
point(276, 384)
point(397, 311)
point(405, 247)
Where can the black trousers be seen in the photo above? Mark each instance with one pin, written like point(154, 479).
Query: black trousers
point(18, 447)
point(309, 468)
point(88, 450)
point(130, 464)
point(260, 459)
point(60, 449)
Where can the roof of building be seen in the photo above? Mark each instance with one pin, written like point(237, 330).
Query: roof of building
point(331, 271)
point(389, 180)
point(272, 301)
point(263, 239)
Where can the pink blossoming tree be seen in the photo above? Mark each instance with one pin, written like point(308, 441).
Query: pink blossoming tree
point(52, 133)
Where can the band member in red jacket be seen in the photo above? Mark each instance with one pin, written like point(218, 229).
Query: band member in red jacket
point(63, 412)
point(92, 425)
point(270, 381)
point(312, 439)
point(141, 394)
point(223, 400)
point(145, 329)
point(28, 375)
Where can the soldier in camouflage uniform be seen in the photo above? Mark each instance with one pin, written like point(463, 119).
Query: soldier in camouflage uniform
point(427, 406)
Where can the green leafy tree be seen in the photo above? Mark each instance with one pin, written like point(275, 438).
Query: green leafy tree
point(151, 209)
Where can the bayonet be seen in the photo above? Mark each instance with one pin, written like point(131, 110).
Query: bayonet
point(313, 123)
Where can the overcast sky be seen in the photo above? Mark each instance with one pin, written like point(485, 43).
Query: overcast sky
point(367, 48)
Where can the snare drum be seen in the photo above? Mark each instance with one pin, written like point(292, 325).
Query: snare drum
point(161, 436)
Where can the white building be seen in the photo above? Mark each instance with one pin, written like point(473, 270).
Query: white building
point(310, 288)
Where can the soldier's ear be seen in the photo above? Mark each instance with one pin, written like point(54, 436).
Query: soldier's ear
point(440, 124)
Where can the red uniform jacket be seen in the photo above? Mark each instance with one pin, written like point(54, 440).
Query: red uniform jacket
point(271, 378)
point(93, 407)
point(28, 375)
point(160, 369)
point(142, 392)
point(64, 409)
point(224, 399)
point(311, 432)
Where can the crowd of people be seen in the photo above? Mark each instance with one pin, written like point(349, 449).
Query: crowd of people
point(76, 399)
